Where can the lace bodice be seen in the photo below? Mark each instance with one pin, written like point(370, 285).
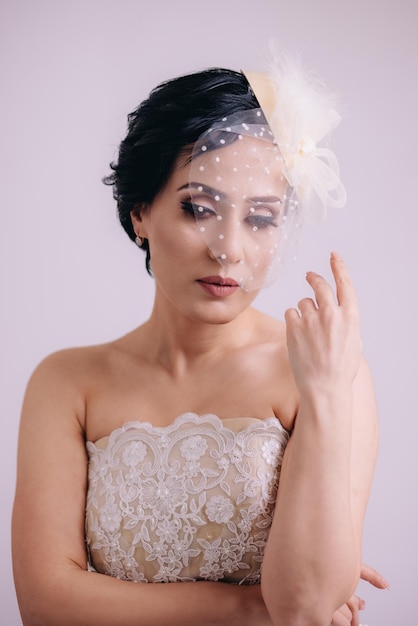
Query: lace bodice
point(190, 501)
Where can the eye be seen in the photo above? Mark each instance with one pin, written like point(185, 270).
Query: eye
point(198, 210)
point(262, 220)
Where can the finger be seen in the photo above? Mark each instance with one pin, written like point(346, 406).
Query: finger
point(355, 604)
point(324, 294)
point(307, 305)
point(341, 618)
point(373, 577)
point(346, 295)
point(344, 610)
point(291, 316)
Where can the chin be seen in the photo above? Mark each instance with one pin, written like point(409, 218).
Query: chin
point(220, 312)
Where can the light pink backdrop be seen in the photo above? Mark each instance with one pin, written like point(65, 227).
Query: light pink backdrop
point(70, 71)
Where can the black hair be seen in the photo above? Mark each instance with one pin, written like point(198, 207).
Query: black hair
point(174, 115)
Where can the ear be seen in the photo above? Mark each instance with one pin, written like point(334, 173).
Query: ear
point(138, 223)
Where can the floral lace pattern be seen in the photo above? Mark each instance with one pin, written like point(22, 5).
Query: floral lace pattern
point(190, 501)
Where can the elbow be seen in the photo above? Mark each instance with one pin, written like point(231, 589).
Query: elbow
point(296, 611)
point(299, 614)
point(310, 601)
point(40, 611)
point(31, 612)
point(29, 596)
point(29, 619)
point(309, 613)
point(45, 599)
point(34, 610)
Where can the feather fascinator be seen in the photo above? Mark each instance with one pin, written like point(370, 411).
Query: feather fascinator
point(301, 113)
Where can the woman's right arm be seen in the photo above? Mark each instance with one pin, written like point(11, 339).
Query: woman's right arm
point(49, 555)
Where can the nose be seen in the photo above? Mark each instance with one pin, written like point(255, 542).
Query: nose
point(226, 243)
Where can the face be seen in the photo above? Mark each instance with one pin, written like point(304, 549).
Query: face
point(239, 200)
point(214, 229)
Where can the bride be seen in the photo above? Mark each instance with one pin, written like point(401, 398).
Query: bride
point(213, 448)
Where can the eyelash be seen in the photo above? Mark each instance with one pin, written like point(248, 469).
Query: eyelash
point(261, 221)
point(256, 221)
point(193, 210)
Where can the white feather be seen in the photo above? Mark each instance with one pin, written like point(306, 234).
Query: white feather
point(303, 116)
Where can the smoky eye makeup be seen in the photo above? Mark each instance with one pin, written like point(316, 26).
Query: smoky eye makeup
point(264, 211)
point(201, 199)
point(204, 201)
point(262, 220)
point(196, 209)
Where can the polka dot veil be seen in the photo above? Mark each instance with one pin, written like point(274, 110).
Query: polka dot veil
point(243, 205)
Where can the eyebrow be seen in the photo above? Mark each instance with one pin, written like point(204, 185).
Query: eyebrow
point(206, 189)
point(265, 200)
point(216, 192)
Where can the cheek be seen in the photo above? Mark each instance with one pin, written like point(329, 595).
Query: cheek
point(173, 244)
point(263, 249)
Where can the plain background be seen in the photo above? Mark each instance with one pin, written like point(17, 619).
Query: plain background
point(71, 71)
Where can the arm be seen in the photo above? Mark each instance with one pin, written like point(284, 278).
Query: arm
point(313, 557)
point(53, 586)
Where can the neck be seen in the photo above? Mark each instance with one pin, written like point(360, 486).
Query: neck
point(179, 343)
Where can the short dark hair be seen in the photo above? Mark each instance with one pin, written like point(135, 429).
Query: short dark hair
point(174, 115)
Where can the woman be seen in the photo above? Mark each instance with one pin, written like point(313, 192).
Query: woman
point(163, 449)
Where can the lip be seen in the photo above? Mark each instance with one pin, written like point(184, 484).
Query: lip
point(218, 286)
point(219, 280)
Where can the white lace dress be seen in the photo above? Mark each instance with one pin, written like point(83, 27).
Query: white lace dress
point(190, 501)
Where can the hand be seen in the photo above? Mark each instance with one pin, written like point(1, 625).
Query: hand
point(348, 615)
point(323, 336)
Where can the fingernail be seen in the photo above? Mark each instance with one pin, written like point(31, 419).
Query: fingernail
point(385, 583)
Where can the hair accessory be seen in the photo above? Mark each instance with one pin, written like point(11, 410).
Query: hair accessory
point(256, 174)
point(300, 112)
point(139, 241)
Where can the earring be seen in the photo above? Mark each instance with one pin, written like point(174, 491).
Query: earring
point(139, 241)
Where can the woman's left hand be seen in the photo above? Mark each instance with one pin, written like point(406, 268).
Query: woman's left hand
point(348, 615)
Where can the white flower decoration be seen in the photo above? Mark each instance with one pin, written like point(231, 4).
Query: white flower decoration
point(269, 451)
point(219, 509)
point(193, 448)
point(300, 112)
point(162, 496)
point(134, 453)
point(110, 518)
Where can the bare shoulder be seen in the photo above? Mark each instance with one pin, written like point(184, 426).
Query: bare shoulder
point(64, 368)
point(75, 366)
point(62, 381)
point(70, 360)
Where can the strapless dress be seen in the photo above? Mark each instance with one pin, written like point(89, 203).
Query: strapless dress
point(190, 501)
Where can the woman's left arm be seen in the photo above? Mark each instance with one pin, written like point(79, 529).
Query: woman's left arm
point(313, 557)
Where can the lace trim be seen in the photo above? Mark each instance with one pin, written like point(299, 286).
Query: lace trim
point(190, 501)
point(195, 418)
